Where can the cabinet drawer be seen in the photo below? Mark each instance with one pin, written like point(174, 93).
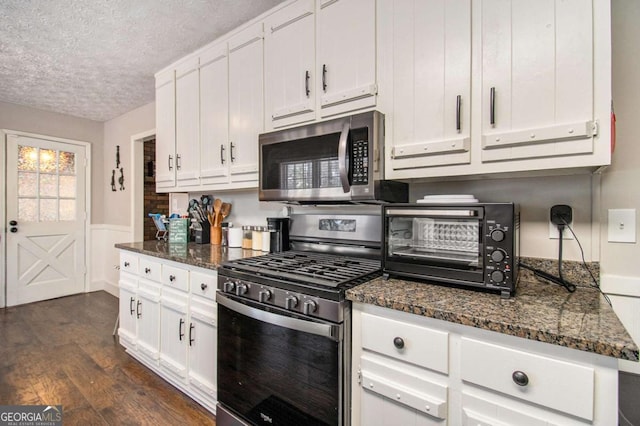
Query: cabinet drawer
point(407, 342)
point(128, 262)
point(204, 284)
point(177, 278)
point(149, 269)
point(550, 382)
point(404, 387)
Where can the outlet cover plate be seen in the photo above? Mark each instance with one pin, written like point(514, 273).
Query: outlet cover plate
point(622, 226)
point(553, 232)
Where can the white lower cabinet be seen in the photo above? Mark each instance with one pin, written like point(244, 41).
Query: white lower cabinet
point(412, 370)
point(170, 324)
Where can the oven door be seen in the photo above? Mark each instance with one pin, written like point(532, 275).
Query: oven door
point(444, 243)
point(277, 368)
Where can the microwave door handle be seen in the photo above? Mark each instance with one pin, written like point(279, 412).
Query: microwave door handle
point(342, 158)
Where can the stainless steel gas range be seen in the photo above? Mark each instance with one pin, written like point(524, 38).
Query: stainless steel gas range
point(284, 326)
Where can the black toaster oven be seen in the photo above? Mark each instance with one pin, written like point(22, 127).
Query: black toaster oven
point(472, 245)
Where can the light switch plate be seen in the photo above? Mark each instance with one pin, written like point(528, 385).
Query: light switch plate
point(622, 226)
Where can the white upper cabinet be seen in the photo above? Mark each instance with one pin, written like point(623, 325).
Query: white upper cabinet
point(346, 55)
point(246, 107)
point(289, 57)
point(537, 78)
point(429, 47)
point(165, 130)
point(187, 123)
point(214, 115)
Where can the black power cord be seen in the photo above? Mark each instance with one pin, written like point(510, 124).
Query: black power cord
point(560, 280)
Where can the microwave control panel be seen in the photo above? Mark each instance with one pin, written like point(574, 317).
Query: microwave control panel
point(360, 162)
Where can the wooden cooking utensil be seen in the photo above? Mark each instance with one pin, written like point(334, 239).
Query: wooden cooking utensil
point(225, 210)
point(217, 205)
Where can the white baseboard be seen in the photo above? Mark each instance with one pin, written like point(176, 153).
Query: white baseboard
point(624, 293)
point(107, 286)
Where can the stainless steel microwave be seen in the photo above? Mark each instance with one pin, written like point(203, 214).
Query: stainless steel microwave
point(328, 162)
point(472, 245)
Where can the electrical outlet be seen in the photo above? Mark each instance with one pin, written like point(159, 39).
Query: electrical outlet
point(559, 214)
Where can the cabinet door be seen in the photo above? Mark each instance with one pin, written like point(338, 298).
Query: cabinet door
point(290, 65)
point(246, 111)
point(165, 131)
point(214, 115)
point(187, 124)
point(431, 83)
point(148, 314)
point(203, 348)
point(537, 78)
point(174, 331)
point(346, 64)
point(127, 302)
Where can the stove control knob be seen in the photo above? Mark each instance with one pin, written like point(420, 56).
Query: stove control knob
point(229, 286)
point(290, 302)
point(309, 307)
point(264, 295)
point(241, 289)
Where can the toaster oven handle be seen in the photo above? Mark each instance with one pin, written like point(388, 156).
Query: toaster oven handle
point(342, 158)
point(433, 212)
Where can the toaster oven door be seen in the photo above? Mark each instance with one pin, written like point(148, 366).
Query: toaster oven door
point(443, 243)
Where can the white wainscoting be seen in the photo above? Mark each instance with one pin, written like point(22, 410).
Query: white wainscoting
point(624, 293)
point(105, 257)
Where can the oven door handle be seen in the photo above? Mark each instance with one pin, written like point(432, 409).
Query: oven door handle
point(329, 331)
point(342, 158)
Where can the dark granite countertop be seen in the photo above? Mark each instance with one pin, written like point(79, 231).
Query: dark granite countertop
point(539, 311)
point(202, 255)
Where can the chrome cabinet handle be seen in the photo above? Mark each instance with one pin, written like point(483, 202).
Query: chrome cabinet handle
point(170, 164)
point(180, 332)
point(178, 162)
point(191, 340)
point(231, 152)
point(520, 378)
point(306, 83)
point(131, 310)
point(458, 108)
point(492, 105)
point(221, 153)
point(324, 77)
point(138, 313)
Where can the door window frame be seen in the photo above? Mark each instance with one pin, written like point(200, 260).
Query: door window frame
point(4, 134)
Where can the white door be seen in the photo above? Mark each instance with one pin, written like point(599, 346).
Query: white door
point(46, 215)
point(203, 350)
point(174, 334)
point(187, 124)
point(165, 131)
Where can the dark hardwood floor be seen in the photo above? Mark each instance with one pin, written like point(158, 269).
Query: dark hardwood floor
point(61, 352)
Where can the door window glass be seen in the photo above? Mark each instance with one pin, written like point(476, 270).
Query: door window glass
point(46, 185)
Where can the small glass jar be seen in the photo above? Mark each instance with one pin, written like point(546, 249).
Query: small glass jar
point(266, 239)
point(256, 242)
point(247, 236)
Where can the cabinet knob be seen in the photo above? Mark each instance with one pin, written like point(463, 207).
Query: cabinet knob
point(203, 286)
point(147, 270)
point(520, 378)
point(126, 264)
point(398, 342)
point(172, 278)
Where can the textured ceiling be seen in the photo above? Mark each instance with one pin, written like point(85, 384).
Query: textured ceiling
point(96, 58)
